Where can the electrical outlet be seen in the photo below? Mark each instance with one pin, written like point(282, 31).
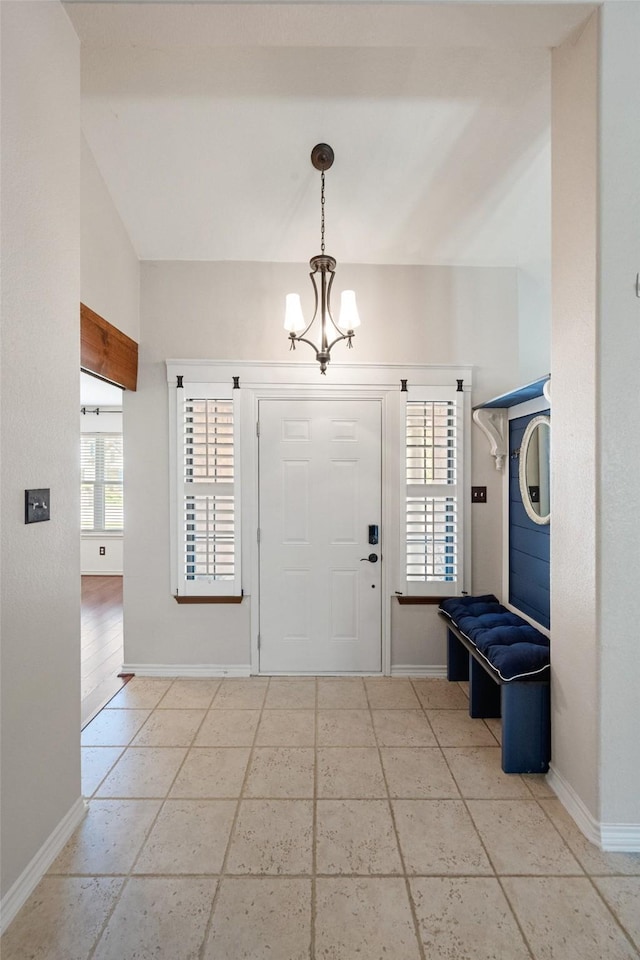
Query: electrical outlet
point(103, 551)
point(478, 494)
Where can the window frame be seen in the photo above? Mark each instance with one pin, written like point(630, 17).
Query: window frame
point(184, 586)
point(421, 393)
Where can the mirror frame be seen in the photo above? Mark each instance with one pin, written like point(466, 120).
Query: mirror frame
point(522, 469)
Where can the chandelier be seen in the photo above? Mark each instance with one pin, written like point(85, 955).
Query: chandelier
point(322, 275)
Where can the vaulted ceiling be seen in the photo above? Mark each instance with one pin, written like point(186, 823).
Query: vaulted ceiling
point(201, 118)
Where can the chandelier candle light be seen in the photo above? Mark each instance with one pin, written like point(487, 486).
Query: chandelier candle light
point(323, 264)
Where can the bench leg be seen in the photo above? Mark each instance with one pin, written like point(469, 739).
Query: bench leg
point(484, 692)
point(526, 727)
point(457, 658)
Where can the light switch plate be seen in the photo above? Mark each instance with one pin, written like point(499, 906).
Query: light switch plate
point(37, 504)
point(478, 494)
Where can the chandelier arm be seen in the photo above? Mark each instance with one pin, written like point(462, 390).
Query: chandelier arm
point(303, 339)
point(343, 336)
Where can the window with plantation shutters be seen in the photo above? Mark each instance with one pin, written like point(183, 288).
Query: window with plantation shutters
point(101, 499)
point(432, 505)
point(208, 515)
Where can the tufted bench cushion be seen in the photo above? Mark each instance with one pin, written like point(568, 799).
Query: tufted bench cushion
point(510, 645)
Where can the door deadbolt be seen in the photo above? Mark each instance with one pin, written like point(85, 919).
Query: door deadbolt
point(372, 558)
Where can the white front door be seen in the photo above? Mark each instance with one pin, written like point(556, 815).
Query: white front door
point(320, 491)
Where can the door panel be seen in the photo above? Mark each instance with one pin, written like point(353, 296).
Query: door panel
point(320, 488)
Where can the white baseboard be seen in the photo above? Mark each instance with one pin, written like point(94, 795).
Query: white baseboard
point(101, 573)
point(620, 837)
point(30, 877)
point(418, 670)
point(187, 669)
point(611, 837)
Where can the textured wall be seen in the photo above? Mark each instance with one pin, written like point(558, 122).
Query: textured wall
point(110, 269)
point(40, 402)
point(574, 588)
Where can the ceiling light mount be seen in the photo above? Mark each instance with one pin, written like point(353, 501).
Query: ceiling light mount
point(322, 275)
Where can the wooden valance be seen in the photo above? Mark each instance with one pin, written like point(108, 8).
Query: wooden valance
point(107, 352)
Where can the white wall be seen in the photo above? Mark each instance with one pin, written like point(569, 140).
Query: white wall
point(40, 400)
point(575, 697)
point(110, 269)
point(618, 414)
point(234, 311)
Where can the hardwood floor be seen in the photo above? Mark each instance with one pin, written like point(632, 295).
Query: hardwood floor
point(102, 640)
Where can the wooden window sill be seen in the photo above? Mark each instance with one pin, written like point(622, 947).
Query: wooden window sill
point(411, 601)
point(190, 599)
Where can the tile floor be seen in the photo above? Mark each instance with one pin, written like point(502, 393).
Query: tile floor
point(319, 819)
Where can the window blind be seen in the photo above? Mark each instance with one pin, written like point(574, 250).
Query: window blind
point(101, 489)
point(433, 466)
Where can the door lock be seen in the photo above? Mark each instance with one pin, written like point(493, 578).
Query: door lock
point(372, 558)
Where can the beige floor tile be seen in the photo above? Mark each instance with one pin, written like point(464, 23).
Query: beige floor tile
point(495, 726)
point(338, 693)
point(440, 695)
point(113, 728)
point(189, 836)
point(595, 861)
point(141, 692)
point(228, 728)
point(284, 694)
point(272, 837)
point(364, 917)
point(345, 772)
point(537, 783)
point(356, 836)
point(478, 773)
point(143, 772)
point(158, 917)
point(109, 837)
point(95, 763)
point(464, 686)
point(61, 920)
point(402, 728)
point(389, 693)
point(438, 837)
point(418, 772)
point(281, 772)
point(563, 918)
point(256, 918)
point(169, 728)
point(241, 694)
point(287, 728)
point(191, 694)
point(466, 918)
point(455, 728)
point(623, 896)
point(211, 773)
point(520, 839)
point(345, 728)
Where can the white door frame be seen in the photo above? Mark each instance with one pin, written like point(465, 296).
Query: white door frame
point(389, 400)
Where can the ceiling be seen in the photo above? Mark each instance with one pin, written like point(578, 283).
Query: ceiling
point(201, 118)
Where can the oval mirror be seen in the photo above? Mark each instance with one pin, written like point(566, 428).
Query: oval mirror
point(534, 470)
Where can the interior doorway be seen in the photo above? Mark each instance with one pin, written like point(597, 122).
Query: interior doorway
point(101, 547)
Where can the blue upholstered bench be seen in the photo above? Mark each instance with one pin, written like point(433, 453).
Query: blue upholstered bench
point(507, 664)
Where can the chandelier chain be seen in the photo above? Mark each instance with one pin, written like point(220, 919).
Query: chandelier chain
point(322, 212)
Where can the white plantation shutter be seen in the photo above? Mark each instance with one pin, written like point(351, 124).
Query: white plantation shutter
point(433, 521)
point(101, 469)
point(208, 492)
